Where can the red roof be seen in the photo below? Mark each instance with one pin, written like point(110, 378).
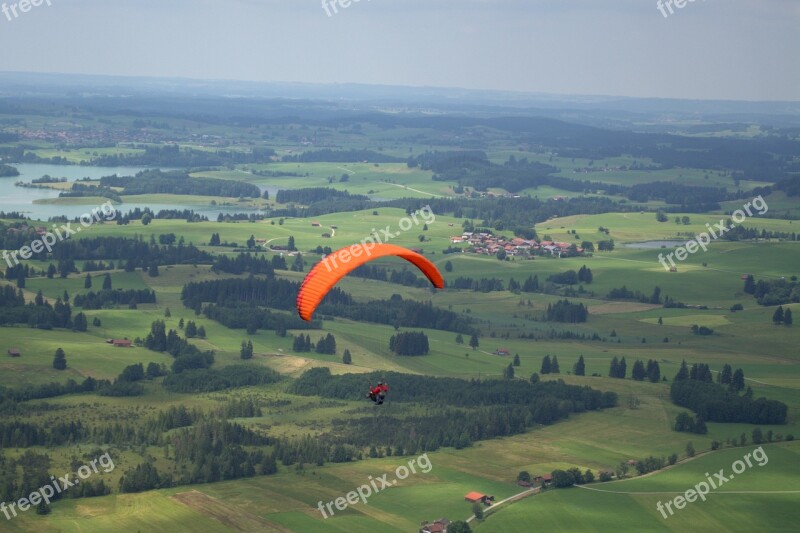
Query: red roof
point(474, 496)
point(547, 477)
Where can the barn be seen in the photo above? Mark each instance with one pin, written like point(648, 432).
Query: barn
point(473, 497)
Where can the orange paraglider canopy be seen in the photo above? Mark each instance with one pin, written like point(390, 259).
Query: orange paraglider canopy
point(338, 264)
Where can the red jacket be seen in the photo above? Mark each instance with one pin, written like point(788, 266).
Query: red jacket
point(378, 389)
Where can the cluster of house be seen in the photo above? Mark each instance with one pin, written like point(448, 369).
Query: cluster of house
point(489, 244)
point(40, 230)
point(82, 136)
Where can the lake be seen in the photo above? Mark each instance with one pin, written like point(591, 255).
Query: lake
point(20, 199)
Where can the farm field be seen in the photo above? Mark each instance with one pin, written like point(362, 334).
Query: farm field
point(772, 487)
point(231, 413)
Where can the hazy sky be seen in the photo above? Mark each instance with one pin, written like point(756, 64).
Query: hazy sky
point(722, 49)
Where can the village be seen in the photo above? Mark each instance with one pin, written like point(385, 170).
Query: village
point(484, 243)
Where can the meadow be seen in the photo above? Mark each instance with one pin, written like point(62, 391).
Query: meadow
point(761, 497)
point(709, 283)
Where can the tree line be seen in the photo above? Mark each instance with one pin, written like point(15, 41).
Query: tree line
point(571, 277)
point(409, 343)
point(228, 295)
point(565, 311)
point(623, 293)
point(310, 195)
point(105, 298)
point(719, 402)
point(773, 291)
point(252, 318)
point(476, 410)
point(179, 182)
point(210, 379)
point(187, 355)
point(341, 156)
point(175, 156)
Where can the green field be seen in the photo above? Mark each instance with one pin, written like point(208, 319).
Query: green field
point(737, 505)
point(707, 284)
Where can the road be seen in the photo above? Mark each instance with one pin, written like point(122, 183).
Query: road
point(519, 496)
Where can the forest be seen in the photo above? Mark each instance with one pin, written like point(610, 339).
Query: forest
point(715, 402)
point(310, 195)
point(179, 182)
point(175, 156)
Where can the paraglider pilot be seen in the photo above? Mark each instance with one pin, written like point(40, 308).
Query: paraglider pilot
point(378, 393)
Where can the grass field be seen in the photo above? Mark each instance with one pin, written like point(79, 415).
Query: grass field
point(761, 497)
point(708, 282)
point(377, 180)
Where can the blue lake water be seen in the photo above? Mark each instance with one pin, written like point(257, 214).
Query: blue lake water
point(20, 199)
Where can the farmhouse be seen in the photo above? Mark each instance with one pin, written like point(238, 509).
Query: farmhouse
point(121, 343)
point(315, 224)
point(439, 526)
point(501, 351)
point(473, 497)
point(13, 352)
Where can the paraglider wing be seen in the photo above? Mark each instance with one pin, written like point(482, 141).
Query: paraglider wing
point(338, 264)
